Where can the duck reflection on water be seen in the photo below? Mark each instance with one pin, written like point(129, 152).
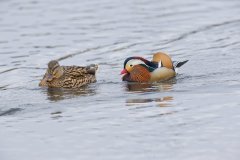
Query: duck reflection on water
point(164, 101)
point(57, 94)
point(161, 102)
point(150, 87)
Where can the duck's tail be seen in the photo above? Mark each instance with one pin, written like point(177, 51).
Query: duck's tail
point(177, 64)
point(92, 68)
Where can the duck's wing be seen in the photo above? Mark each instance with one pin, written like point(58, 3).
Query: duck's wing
point(76, 82)
point(162, 60)
point(140, 73)
point(79, 71)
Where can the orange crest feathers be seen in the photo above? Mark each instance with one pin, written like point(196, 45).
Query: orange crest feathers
point(164, 59)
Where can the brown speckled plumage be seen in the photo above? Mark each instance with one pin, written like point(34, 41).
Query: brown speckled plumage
point(68, 76)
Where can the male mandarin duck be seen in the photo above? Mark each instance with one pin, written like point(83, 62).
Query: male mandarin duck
point(161, 68)
point(68, 76)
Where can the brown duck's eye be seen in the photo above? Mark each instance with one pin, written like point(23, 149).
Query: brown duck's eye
point(131, 65)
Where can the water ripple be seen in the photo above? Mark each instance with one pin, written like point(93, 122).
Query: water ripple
point(182, 116)
point(202, 29)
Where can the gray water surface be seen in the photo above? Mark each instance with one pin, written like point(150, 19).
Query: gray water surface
point(193, 117)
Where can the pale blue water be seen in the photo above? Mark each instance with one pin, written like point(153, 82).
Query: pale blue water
point(194, 117)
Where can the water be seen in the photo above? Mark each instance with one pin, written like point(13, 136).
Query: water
point(196, 116)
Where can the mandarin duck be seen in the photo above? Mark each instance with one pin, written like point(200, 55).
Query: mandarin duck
point(161, 68)
point(58, 76)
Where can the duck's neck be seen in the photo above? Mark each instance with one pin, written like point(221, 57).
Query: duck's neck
point(127, 78)
point(60, 72)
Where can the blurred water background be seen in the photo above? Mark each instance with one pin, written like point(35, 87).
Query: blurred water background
point(196, 116)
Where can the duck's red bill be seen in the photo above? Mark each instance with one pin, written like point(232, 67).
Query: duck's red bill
point(124, 71)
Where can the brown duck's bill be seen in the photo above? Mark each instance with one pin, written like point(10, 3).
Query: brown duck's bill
point(124, 71)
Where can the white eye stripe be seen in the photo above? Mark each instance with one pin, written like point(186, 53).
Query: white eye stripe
point(135, 62)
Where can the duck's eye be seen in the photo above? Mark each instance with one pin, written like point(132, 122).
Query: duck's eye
point(131, 65)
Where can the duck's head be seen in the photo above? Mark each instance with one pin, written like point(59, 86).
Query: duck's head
point(130, 62)
point(54, 71)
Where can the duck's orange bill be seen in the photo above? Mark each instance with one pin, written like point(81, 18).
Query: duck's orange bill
point(124, 71)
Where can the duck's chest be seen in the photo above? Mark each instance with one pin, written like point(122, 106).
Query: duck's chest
point(57, 82)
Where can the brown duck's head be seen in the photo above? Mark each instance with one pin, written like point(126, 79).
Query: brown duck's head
point(54, 71)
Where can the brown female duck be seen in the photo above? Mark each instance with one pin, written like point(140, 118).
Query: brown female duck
point(58, 76)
